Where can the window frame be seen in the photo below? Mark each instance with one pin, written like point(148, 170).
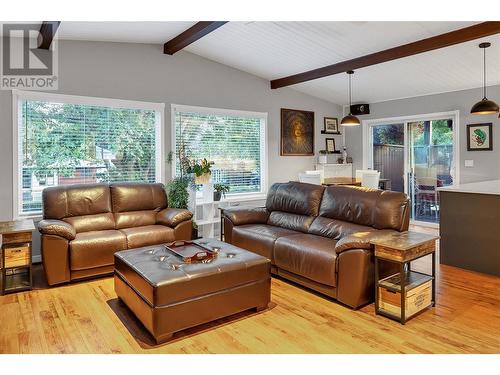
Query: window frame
point(18, 96)
point(263, 116)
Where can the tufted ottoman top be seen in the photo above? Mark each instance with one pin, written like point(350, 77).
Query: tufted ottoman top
point(161, 278)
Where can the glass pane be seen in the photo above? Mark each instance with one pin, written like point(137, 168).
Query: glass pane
point(62, 144)
point(388, 155)
point(233, 143)
point(431, 162)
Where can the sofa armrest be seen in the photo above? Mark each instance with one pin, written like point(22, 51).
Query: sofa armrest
point(57, 228)
point(171, 217)
point(246, 215)
point(361, 240)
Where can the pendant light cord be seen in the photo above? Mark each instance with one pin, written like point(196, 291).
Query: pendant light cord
point(350, 93)
point(484, 72)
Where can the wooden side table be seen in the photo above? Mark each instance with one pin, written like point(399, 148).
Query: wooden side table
point(15, 256)
point(407, 293)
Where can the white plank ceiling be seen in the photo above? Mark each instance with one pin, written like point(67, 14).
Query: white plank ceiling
point(276, 49)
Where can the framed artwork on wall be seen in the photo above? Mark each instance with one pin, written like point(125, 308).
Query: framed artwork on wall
point(297, 132)
point(330, 145)
point(480, 137)
point(331, 125)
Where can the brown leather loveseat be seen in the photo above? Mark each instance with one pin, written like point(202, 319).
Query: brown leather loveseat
point(320, 237)
point(84, 225)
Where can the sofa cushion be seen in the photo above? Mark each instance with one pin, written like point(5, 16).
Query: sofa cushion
point(295, 198)
point(346, 203)
point(287, 220)
point(307, 255)
point(392, 211)
point(380, 209)
point(88, 223)
point(75, 200)
point(138, 197)
point(135, 219)
point(148, 235)
point(259, 238)
point(336, 229)
point(95, 249)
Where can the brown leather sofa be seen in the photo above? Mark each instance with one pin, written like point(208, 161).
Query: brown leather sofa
point(84, 225)
point(320, 237)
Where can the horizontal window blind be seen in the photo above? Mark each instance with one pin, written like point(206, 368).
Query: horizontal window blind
point(61, 143)
point(234, 143)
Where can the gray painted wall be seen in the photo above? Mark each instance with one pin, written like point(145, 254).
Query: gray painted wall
point(143, 72)
point(486, 163)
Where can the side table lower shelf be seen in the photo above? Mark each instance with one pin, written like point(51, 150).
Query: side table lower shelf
point(404, 294)
point(418, 295)
point(16, 280)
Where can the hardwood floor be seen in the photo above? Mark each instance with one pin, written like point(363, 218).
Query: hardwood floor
point(87, 317)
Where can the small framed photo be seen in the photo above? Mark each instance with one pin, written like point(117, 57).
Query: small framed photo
point(479, 137)
point(330, 145)
point(331, 125)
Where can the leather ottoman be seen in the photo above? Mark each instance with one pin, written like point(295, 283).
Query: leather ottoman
point(168, 295)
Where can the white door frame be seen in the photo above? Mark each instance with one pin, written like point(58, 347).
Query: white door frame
point(368, 139)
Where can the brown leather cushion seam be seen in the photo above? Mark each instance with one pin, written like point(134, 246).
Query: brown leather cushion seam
point(235, 287)
point(88, 268)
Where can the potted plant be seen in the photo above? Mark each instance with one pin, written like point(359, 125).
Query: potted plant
point(220, 190)
point(195, 231)
point(177, 192)
point(201, 169)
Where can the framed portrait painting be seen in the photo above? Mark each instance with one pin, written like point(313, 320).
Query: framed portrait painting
point(479, 137)
point(297, 132)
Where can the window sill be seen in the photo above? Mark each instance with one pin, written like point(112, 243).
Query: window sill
point(34, 217)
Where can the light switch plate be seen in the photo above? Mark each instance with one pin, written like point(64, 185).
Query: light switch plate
point(469, 163)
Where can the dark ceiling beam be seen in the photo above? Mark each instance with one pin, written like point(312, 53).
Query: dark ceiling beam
point(424, 45)
point(47, 32)
point(191, 35)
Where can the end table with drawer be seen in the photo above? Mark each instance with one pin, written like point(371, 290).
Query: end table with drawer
point(15, 256)
point(404, 295)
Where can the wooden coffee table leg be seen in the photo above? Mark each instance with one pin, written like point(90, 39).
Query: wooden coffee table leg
point(164, 338)
point(260, 308)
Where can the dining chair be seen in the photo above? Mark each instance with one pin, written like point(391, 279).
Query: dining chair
point(310, 178)
point(359, 172)
point(370, 179)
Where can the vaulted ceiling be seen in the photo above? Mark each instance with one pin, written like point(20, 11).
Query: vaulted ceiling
point(276, 49)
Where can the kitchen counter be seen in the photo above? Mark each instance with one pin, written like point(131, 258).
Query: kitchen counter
point(469, 226)
point(482, 187)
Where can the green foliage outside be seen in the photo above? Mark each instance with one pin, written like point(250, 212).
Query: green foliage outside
point(58, 138)
point(442, 134)
point(233, 144)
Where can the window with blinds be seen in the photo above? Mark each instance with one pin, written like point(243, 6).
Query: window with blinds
point(62, 143)
point(233, 140)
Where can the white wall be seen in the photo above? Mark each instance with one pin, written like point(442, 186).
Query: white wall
point(143, 72)
point(486, 163)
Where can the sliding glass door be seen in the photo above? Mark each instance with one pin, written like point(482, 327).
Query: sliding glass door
point(415, 156)
point(430, 165)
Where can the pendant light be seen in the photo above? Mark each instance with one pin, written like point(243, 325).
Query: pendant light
point(350, 120)
point(484, 106)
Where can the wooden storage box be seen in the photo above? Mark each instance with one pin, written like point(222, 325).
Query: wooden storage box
point(417, 299)
point(17, 255)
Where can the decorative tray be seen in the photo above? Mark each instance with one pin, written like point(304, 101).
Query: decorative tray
point(190, 252)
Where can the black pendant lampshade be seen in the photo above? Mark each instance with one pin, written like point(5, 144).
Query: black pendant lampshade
point(350, 119)
point(484, 106)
